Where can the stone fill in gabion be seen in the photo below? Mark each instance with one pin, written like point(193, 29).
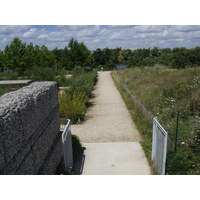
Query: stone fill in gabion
point(30, 140)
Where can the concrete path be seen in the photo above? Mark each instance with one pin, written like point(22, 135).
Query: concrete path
point(109, 134)
point(118, 158)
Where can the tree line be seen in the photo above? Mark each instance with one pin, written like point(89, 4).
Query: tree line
point(20, 57)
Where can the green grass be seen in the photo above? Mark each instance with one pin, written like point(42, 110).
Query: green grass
point(74, 99)
point(163, 91)
point(9, 76)
point(72, 105)
point(9, 88)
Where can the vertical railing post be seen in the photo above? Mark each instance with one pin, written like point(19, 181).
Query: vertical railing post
point(176, 134)
point(67, 147)
point(159, 147)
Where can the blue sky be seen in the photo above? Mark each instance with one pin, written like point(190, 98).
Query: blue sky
point(102, 36)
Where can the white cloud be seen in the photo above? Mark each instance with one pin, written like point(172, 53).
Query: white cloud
point(116, 36)
point(31, 33)
point(104, 36)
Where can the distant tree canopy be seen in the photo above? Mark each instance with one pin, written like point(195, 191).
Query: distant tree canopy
point(176, 58)
point(79, 54)
point(19, 56)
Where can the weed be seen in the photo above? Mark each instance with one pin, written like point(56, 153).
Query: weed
point(41, 74)
point(8, 76)
point(180, 162)
point(72, 105)
point(73, 101)
point(77, 146)
point(163, 91)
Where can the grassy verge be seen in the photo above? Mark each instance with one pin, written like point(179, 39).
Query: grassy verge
point(77, 147)
point(163, 91)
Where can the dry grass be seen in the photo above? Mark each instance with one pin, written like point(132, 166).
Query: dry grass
point(72, 106)
point(164, 91)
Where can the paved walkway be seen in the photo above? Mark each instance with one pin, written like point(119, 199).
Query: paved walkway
point(109, 134)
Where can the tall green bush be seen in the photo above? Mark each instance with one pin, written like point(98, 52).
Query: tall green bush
point(72, 105)
point(40, 74)
point(73, 100)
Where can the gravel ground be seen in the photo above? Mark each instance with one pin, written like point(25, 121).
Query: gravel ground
point(107, 119)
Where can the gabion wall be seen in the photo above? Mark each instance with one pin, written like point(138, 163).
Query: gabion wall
point(30, 140)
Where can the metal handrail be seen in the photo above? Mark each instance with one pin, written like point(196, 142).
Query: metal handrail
point(159, 150)
point(67, 146)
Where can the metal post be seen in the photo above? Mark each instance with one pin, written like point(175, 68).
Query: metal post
point(176, 136)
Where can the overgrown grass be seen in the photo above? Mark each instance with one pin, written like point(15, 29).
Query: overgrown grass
point(163, 91)
point(77, 147)
point(40, 74)
point(9, 88)
point(83, 82)
point(72, 105)
point(62, 81)
point(9, 76)
point(73, 100)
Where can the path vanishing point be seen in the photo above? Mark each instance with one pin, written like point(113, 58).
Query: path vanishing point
point(111, 139)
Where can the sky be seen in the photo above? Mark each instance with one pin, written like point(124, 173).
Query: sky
point(102, 36)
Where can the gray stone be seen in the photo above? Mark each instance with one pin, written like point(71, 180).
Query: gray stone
point(29, 125)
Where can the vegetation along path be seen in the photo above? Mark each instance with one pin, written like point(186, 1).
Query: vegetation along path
point(109, 134)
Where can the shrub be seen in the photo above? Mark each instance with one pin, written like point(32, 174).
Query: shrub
point(83, 82)
point(41, 74)
point(73, 101)
point(72, 105)
point(76, 146)
point(62, 81)
point(180, 162)
point(9, 88)
point(2, 90)
point(77, 70)
point(9, 76)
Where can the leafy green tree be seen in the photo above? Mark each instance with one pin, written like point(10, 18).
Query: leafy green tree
point(194, 56)
point(98, 56)
point(155, 52)
point(29, 56)
point(1, 61)
point(79, 54)
point(14, 55)
point(179, 60)
point(120, 57)
point(46, 57)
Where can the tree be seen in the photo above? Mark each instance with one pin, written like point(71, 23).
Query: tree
point(79, 54)
point(179, 59)
point(47, 58)
point(120, 57)
point(1, 61)
point(29, 56)
point(14, 55)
